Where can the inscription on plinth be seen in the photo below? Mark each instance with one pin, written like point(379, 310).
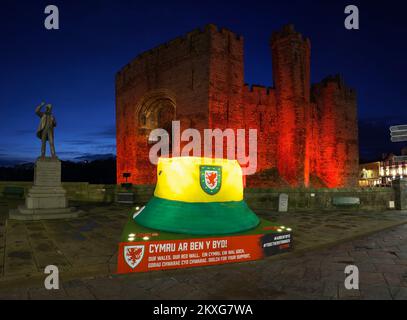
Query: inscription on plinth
point(47, 198)
point(47, 172)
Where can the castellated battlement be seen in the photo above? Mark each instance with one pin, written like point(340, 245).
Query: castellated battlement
point(335, 83)
point(255, 95)
point(257, 89)
point(225, 31)
point(288, 32)
point(306, 134)
point(194, 43)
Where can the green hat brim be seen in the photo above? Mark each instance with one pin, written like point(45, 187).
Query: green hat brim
point(212, 218)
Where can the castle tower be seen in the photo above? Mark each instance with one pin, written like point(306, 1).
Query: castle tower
point(336, 129)
point(167, 83)
point(198, 80)
point(291, 73)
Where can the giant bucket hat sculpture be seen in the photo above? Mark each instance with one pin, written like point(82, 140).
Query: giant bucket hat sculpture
point(198, 196)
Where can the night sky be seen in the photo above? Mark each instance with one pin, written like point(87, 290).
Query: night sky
point(74, 68)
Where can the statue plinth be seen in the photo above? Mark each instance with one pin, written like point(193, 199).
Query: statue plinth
point(47, 198)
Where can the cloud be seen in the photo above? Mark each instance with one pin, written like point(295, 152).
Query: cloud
point(91, 157)
point(12, 161)
point(85, 150)
point(24, 132)
point(108, 146)
point(68, 153)
point(72, 156)
point(79, 142)
point(108, 132)
point(96, 139)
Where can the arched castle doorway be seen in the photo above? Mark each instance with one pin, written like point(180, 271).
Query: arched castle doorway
point(156, 110)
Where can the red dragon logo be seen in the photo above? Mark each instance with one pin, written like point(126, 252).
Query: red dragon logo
point(211, 179)
point(133, 255)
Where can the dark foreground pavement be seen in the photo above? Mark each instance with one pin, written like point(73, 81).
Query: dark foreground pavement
point(85, 251)
point(318, 274)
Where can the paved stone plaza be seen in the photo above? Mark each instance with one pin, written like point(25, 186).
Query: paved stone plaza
point(85, 248)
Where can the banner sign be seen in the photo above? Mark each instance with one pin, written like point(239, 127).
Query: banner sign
point(273, 244)
point(186, 253)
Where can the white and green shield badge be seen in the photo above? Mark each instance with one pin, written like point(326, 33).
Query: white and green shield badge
point(211, 179)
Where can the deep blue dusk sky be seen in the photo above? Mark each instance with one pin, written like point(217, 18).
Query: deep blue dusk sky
point(74, 67)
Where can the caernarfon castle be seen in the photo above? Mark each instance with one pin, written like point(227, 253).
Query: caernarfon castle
point(307, 133)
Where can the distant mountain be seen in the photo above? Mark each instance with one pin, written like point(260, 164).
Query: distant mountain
point(25, 166)
point(8, 162)
point(15, 162)
point(100, 170)
point(93, 157)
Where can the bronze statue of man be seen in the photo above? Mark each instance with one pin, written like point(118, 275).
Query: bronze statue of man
point(45, 129)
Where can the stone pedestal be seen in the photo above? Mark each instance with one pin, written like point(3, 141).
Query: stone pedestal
point(47, 198)
point(400, 188)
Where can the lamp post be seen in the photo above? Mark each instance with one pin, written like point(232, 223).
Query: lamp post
point(127, 185)
point(127, 196)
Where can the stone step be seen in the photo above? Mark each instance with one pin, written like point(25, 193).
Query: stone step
point(44, 214)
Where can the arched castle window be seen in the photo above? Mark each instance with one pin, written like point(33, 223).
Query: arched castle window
point(156, 110)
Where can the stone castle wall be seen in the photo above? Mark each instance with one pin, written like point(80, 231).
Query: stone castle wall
point(259, 199)
point(307, 136)
point(171, 76)
point(336, 148)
